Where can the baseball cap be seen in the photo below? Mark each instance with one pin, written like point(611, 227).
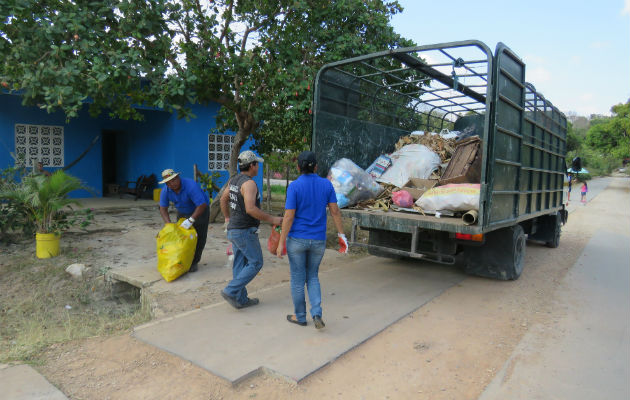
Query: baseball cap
point(306, 159)
point(248, 157)
point(167, 175)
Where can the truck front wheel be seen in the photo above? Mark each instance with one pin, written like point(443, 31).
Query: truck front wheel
point(501, 257)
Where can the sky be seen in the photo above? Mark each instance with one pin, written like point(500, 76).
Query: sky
point(577, 53)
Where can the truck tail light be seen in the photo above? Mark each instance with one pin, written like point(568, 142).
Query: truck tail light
point(468, 236)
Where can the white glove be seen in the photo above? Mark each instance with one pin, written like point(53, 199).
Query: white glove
point(187, 223)
point(343, 243)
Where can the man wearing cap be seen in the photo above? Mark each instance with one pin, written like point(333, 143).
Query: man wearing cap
point(191, 203)
point(240, 204)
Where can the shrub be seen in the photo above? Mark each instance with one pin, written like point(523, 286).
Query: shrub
point(44, 202)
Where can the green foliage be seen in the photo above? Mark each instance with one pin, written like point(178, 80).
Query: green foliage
point(595, 161)
point(276, 189)
point(58, 54)
point(208, 183)
point(64, 220)
point(43, 199)
point(13, 215)
point(611, 135)
point(574, 140)
point(258, 59)
point(602, 142)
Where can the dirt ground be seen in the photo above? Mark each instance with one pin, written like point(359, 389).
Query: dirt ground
point(451, 348)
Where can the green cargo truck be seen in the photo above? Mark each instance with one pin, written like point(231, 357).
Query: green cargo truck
point(363, 105)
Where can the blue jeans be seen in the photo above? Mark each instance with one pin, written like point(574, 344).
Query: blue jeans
point(304, 258)
point(248, 260)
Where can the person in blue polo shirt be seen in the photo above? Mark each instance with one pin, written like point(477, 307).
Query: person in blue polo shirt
point(191, 203)
point(304, 229)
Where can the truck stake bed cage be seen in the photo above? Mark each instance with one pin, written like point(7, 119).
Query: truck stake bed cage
point(363, 105)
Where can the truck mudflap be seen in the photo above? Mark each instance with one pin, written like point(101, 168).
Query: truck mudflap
point(564, 215)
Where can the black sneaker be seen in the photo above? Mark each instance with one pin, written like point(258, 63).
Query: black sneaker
point(317, 320)
point(250, 302)
point(231, 300)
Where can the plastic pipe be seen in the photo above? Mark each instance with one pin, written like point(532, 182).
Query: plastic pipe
point(470, 217)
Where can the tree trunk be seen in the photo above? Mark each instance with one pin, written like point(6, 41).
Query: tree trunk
point(215, 206)
point(246, 125)
point(268, 187)
point(286, 188)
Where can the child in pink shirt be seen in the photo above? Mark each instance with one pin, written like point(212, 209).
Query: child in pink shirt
point(583, 191)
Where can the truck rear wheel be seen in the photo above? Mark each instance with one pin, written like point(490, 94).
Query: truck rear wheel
point(501, 257)
point(557, 227)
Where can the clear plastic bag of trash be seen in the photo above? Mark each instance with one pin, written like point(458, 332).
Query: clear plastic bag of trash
point(411, 161)
point(352, 184)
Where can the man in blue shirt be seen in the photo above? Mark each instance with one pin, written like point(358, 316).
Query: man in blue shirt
point(191, 203)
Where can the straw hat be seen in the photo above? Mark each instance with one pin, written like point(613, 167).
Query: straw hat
point(167, 175)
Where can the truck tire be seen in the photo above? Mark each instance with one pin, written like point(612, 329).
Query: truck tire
point(557, 228)
point(501, 257)
point(548, 228)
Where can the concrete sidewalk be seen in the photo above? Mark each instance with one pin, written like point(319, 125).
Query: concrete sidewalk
point(22, 382)
point(359, 300)
point(115, 203)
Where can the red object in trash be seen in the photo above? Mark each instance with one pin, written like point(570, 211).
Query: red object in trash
point(274, 239)
point(402, 198)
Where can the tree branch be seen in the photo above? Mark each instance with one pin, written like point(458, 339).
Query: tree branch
point(228, 20)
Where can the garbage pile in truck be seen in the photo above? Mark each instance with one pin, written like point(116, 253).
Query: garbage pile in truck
point(428, 173)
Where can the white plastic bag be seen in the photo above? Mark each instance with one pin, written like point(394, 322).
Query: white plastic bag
point(411, 161)
point(352, 184)
point(452, 197)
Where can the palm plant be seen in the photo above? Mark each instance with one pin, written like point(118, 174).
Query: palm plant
point(44, 198)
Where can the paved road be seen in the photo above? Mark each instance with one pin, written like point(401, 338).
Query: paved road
point(595, 187)
point(587, 354)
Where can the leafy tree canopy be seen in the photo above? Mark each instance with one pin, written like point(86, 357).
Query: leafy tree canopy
point(59, 54)
point(258, 58)
point(611, 135)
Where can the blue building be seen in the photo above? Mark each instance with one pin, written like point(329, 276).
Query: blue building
point(124, 150)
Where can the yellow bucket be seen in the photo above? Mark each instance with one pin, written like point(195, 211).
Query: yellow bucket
point(47, 245)
point(156, 194)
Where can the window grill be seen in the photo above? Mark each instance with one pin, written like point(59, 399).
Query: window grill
point(44, 143)
point(219, 149)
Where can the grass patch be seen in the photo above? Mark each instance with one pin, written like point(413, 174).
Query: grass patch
point(276, 189)
point(40, 304)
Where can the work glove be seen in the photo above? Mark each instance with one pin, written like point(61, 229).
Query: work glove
point(343, 243)
point(187, 223)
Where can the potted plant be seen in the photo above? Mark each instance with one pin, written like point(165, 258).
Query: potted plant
point(44, 198)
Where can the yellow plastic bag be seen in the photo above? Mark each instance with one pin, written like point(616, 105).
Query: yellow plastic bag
point(175, 250)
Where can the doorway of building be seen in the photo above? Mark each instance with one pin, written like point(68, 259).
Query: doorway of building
point(109, 157)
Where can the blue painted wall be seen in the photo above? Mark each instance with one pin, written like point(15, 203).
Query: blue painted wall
point(142, 147)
